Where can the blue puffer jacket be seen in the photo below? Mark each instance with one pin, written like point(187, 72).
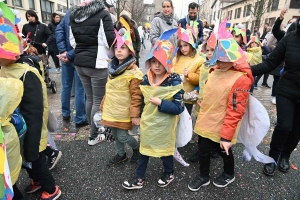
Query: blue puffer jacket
point(174, 107)
point(62, 37)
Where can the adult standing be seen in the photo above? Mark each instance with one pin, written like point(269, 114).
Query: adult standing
point(93, 32)
point(162, 22)
point(192, 19)
point(38, 33)
point(68, 74)
point(256, 32)
point(264, 32)
point(286, 134)
point(53, 51)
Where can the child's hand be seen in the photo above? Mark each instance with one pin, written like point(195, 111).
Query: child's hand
point(226, 146)
point(199, 103)
point(155, 101)
point(186, 72)
point(136, 121)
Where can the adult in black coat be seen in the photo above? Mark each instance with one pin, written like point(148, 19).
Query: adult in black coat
point(286, 134)
point(39, 34)
point(53, 51)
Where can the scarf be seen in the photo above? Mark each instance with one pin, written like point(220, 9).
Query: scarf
point(168, 19)
point(115, 69)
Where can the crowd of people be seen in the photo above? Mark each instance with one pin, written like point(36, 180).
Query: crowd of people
point(192, 69)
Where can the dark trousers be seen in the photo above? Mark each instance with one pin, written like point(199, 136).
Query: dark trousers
point(53, 52)
point(17, 193)
point(286, 134)
point(275, 81)
point(40, 173)
point(189, 108)
point(265, 80)
point(206, 146)
point(168, 163)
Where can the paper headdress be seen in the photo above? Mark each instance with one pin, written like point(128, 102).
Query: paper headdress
point(123, 36)
point(241, 31)
point(193, 27)
point(186, 36)
point(163, 50)
point(10, 41)
point(254, 39)
point(227, 49)
point(211, 42)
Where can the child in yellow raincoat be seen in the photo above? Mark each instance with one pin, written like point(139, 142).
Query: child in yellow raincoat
point(162, 103)
point(122, 101)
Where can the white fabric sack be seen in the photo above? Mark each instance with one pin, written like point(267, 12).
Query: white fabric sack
point(184, 131)
point(254, 127)
point(52, 122)
point(179, 158)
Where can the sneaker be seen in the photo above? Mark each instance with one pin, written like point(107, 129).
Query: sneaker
point(223, 180)
point(165, 180)
point(33, 187)
point(273, 100)
point(136, 183)
point(98, 139)
point(53, 196)
point(82, 124)
point(198, 182)
point(135, 156)
point(117, 160)
point(52, 160)
point(194, 157)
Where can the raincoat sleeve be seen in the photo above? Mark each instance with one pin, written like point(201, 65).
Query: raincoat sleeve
point(176, 106)
point(136, 98)
point(236, 107)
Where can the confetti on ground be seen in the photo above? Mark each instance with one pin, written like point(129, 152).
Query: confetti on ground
point(58, 136)
point(294, 167)
point(82, 136)
point(240, 175)
point(66, 129)
point(73, 134)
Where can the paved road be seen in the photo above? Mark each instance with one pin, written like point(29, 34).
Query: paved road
point(82, 173)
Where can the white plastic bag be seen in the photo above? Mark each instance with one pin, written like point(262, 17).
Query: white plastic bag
point(179, 158)
point(184, 131)
point(254, 127)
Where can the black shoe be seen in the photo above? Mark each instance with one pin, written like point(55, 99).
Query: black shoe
point(165, 180)
point(52, 160)
point(198, 182)
point(284, 164)
point(117, 160)
point(135, 183)
point(223, 180)
point(194, 157)
point(135, 156)
point(269, 169)
point(214, 154)
point(82, 124)
point(66, 119)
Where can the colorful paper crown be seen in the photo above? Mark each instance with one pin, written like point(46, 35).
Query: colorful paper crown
point(254, 39)
point(241, 31)
point(211, 42)
point(193, 27)
point(163, 50)
point(125, 36)
point(10, 41)
point(227, 49)
point(186, 36)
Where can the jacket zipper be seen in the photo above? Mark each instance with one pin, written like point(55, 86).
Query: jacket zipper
point(234, 101)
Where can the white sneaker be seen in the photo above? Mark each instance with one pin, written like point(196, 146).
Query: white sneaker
point(273, 100)
point(58, 70)
point(98, 139)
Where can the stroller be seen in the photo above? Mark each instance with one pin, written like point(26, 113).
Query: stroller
point(51, 84)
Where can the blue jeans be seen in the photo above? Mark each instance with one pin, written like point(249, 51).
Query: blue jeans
point(68, 73)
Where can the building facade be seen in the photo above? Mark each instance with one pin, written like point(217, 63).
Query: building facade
point(149, 11)
point(158, 5)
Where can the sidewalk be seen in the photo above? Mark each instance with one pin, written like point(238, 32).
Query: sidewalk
point(82, 173)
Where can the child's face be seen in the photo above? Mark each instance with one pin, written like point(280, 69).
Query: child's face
point(156, 67)
point(122, 53)
point(209, 52)
point(238, 38)
point(185, 48)
point(253, 44)
point(224, 65)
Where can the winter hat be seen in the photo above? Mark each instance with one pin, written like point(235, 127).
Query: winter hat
point(254, 39)
point(163, 50)
point(227, 49)
point(241, 31)
point(186, 36)
point(10, 41)
point(123, 36)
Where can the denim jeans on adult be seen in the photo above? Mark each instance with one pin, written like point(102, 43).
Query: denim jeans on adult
point(206, 146)
point(68, 73)
point(168, 163)
point(93, 81)
point(286, 134)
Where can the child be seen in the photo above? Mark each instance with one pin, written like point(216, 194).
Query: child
point(187, 64)
point(33, 107)
point(122, 102)
point(162, 103)
point(240, 37)
point(224, 102)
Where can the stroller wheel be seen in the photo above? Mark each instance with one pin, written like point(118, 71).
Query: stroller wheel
point(53, 87)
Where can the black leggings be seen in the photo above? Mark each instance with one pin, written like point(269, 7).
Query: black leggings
point(53, 53)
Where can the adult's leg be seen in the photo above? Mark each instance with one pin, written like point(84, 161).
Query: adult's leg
point(142, 166)
point(265, 80)
point(40, 173)
point(275, 81)
point(80, 103)
point(67, 75)
point(285, 117)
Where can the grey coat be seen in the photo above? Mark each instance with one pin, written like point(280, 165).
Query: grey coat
point(158, 26)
